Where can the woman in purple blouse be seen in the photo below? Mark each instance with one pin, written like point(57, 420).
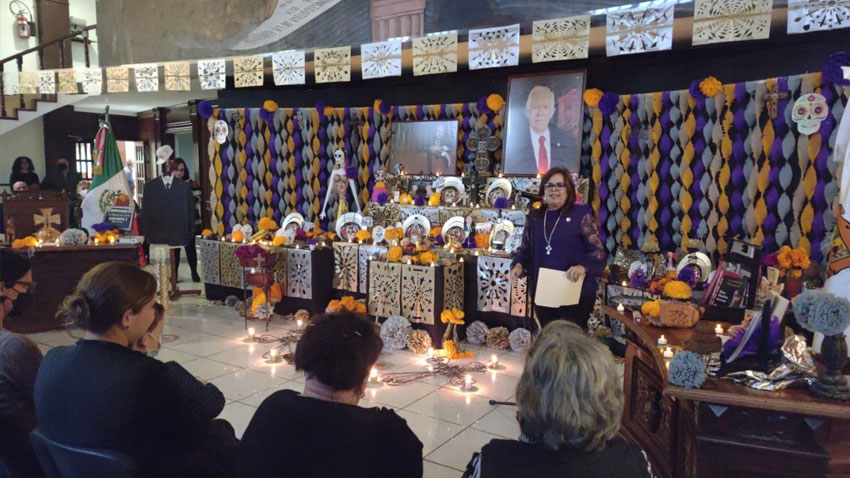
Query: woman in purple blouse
point(563, 236)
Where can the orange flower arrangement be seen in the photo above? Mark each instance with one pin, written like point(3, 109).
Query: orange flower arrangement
point(592, 96)
point(428, 257)
point(676, 289)
point(394, 254)
point(435, 231)
point(405, 199)
point(434, 200)
point(278, 241)
point(651, 308)
point(347, 303)
point(495, 102)
point(206, 233)
point(267, 224)
point(793, 262)
point(453, 353)
point(24, 243)
point(452, 316)
point(482, 240)
point(238, 236)
point(363, 235)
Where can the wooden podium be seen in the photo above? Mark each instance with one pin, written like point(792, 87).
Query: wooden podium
point(20, 209)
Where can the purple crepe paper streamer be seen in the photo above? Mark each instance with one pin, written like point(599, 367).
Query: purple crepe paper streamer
point(738, 134)
point(249, 163)
point(818, 234)
point(225, 163)
point(634, 158)
point(664, 146)
point(697, 165)
point(776, 158)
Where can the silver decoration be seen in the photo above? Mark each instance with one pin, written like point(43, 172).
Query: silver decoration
point(796, 369)
point(417, 293)
point(515, 216)
point(384, 289)
point(453, 289)
point(447, 213)
point(494, 284)
point(520, 340)
point(519, 296)
point(299, 274)
point(345, 266)
point(211, 261)
point(476, 333)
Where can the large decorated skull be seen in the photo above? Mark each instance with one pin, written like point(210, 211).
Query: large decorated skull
point(809, 111)
point(339, 158)
point(220, 131)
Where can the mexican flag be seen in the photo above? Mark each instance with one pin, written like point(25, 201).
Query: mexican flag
point(109, 198)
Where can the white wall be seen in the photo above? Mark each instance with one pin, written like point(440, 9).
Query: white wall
point(27, 140)
point(84, 10)
point(11, 44)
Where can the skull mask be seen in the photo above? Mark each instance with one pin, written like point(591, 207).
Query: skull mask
point(809, 111)
point(339, 159)
point(220, 131)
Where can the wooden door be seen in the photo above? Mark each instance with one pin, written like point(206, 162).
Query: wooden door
point(54, 22)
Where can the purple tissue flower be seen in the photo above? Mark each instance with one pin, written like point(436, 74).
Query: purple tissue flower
point(266, 115)
point(438, 240)
point(501, 203)
point(351, 172)
point(608, 103)
point(320, 107)
point(102, 227)
point(689, 276)
point(205, 109)
point(694, 90)
point(482, 106)
point(469, 243)
point(419, 201)
point(312, 242)
point(383, 198)
point(832, 72)
point(251, 251)
point(638, 278)
point(300, 234)
point(384, 108)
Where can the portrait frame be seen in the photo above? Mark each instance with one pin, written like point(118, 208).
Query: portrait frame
point(410, 145)
point(565, 124)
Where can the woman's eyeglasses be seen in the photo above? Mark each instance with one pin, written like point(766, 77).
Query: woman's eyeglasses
point(551, 186)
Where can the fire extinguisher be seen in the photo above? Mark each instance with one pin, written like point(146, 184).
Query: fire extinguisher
point(22, 26)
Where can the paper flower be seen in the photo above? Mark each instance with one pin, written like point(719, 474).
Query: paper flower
point(205, 109)
point(267, 224)
point(270, 106)
point(363, 235)
point(803, 305)
point(428, 257)
point(476, 333)
point(231, 300)
point(495, 102)
point(279, 241)
point(383, 198)
point(711, 87)
point(592, 97)
point(312, 242)
point(688, 276)
point(394, 254)
point(395, 332)
point(251, 251)
point(381, 107)
point(651, 308)
point(419, 342)
point(405, 199)
point(351, 172)
point(73, 237)
point(266, 115)
point(237, 236)
point(452, 316)
point(102, 227)
point(497, 339)
point(686, 370)
point(206, 233)
point(434, 200)
point(419, 201)
point(770, 260)
point(329, 110)
point(501, 203)
point(830, 314)
point(832, 72)
point(676, 289)
point(520, 340)
point(608, 103)
point(694, 90)
point(638, 278)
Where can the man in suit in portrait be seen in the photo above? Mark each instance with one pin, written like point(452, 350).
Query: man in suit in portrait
point(537, 148)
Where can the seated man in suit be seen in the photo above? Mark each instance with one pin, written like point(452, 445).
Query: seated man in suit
point(540, 147)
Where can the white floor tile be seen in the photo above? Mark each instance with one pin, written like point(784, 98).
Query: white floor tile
point(207, 369)
point(245, 383)
point(457, 452)
point(398, 396)
point(433, 470)
point(204, 345)
point(456, 407)
point(281, 369)
point(430, 431)
point(493, 385)
point(256, 399)
point(166, 355)
point(242, 355)
point(390, 361)
point(511, 363)
point(501, 421)
point(239, 415)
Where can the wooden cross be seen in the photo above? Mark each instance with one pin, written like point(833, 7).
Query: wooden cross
point(483, 143)
point(771, 100)
point(46, 218)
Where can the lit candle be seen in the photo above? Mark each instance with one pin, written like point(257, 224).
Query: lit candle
point(539, 176)
point(222, 238)
point(621, 308)
point(95, 241)
point(373, 375)
point(494, 361)
point(668, 353)
point(298, 246)
point(662, 341)
point(624, 283)
point(251, 332)
point(273, 354)
point(433, 264)
point(361, 241)
point(299, 323)
point(467, 382)
point(430, 353)
point(501, 175)
point(718, 329)
point(513, 206)
point(461, 259)
point(112, 240)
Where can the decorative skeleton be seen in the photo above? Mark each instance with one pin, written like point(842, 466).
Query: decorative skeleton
point(338, 183)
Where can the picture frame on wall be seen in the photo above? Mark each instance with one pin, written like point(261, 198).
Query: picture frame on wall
point(543, 109)
point(424, 147)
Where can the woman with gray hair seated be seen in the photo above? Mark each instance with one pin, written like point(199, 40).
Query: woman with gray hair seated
point(569, 409)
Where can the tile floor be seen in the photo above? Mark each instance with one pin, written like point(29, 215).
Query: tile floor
point(210, 341)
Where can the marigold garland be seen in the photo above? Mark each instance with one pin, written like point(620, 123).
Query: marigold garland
point(482, 240)
point(711, 87)
point(347, 303)
point(453, 353)
point(267, 224)
point(676, 289)
point(651, 308)
point(428, 257)
point(394, 254)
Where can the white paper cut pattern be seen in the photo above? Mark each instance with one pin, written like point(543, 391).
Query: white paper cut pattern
point(719, 21)
point(248, 71)
point(494, 284)
point(345, 266)
point(817, 15)
point(177, 76)
point(332, 64)
point(117, 79)
point(211, 74)
point(93, 81)
point(381, 59)
point(147, 77)
point(210, 262)
point(494, 47)
point(11, 83)
point(28, 82)
point(560, 39)
point(417, 293)
point(47, 82)
point(299, 274)
point(67, 81)
point(435, 54)
point(638, 31)
point(288, 67)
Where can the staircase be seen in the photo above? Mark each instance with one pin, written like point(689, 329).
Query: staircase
point(16, 110)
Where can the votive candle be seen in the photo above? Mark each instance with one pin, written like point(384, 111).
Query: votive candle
point(299, 323)
point(373, 375)
point(467, 382)
point(668, 353)
point(494, 361)
point(718, 329)
point(621, 308)
point(252, 332)
point(662, 341)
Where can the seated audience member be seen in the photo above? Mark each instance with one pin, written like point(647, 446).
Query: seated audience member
point(569, 408)
point(100, 393)
point(19, 360)
point(206, 396)
point(23, 171)
point(322, 432)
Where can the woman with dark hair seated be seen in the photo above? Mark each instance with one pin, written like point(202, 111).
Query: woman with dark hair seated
point(23, 170)
point(102, 394)
point(569, 408)
point(322, 432)
point(19, 361)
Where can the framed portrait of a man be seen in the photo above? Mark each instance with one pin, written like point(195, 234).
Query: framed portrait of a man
point(543, 122)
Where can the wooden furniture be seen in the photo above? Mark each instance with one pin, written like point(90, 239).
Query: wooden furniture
point(724, 429)
point(56, 271)
point(20, 208)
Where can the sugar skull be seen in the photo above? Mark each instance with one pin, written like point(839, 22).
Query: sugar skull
point(809, 111)
point(339, 159)
point(220, 131)
point(380, 175)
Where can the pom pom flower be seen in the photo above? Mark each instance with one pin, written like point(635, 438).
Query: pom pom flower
point(501, 203)
point(495, 102)
point(520, 340)
point(688, 276)
point(638, 278)
point(651, 308)
point(279, 241)
point(419, 201)
point(820, 311)
point(351, 172)
point(238, 236)
point(383, 198)
point(711, 87)
point(434, 200)
point(687, 370)
point(267, 224)
point(476, 333)
point(452, 316)
point(676, 289)
point(394, 254)
point(270, 106)
point(363, 235)
point(405, 199)
point(395, 332)
point(206, 233)
point(832, 72)
point(694, 90)
point(592, 97)
point(205, 109)
point(608, 103)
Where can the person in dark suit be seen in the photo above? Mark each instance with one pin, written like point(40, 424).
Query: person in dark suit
point(62, 178)
point(540, 147)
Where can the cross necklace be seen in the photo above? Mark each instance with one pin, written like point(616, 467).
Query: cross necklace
point(551, 234)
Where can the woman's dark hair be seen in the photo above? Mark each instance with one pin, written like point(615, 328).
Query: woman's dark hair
point(158, 315)
point(16, 166)
point(177, 162)
point(339, 349)
point(103, 295)
point(568, 180)
point(13, 266)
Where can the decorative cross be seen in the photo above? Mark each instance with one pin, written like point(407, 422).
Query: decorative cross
point(483, 143)
point(46, 218)
point(771, 100)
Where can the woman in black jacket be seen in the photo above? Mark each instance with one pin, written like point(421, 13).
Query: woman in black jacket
point(23, 170)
